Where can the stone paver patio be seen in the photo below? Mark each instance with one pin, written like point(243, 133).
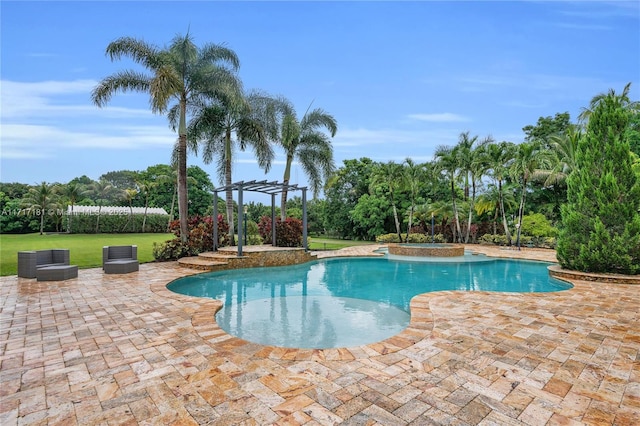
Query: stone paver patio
point(122, 349)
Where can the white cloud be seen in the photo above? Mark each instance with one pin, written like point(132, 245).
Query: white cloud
point(42, 141)
point(47, 99)
point(445, 117)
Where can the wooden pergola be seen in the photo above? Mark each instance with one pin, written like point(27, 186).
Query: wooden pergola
point(271, 188)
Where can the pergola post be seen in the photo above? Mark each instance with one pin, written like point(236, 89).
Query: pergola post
point(304, 219)
point(240, 220)
point(215, 220)
point(273, 220)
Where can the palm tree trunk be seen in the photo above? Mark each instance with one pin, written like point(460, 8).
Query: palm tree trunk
point(70, 220)
point(521, 209)
point(410, 222)
point(395, 218)
point(505, 225)
point(229, 193)
point(285, 181)
point(183, 204)
point(173, 201)
point(144, 218)
point(455, 214)
point(98, 219)
point(471, 206)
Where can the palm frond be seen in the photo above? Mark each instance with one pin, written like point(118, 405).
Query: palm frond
point(125, 81)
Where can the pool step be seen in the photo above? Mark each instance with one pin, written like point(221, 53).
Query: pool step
point(202, 263)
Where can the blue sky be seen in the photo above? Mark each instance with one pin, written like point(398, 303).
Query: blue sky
point(401, 78)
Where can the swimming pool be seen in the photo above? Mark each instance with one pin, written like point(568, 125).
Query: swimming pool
point(346, 302)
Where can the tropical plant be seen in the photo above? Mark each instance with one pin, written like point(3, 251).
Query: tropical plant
point(413, 175)
point(72, 193)
point(498, 158)
point(472, 167)
point(303, 140)
point(41, 199)
point(129, 194)
point(564, 148)
point(101, 190)
point(447, 162)
point(622, 99)
point(181, 73)
point(530, 158)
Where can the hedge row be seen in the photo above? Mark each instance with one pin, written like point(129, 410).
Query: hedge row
point(115, 224)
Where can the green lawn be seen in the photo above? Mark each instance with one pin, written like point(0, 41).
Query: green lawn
point(318, 243)
point(85, 250)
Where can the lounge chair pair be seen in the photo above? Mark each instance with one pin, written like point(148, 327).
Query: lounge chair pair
point(53, 264)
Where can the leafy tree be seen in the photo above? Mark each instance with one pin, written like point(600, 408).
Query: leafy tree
point(390, 175)
point(537, 225)
point(546, 127)
point(343, 190)
point(600, 230)
point(303, 140)
point(121, 179)
point(182, 73)
point(370, 215)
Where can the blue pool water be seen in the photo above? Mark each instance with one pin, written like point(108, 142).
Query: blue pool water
point(346, 302)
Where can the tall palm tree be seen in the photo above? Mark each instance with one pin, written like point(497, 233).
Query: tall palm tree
point(623, 98)
point(464, 150)
point(499, 158)
point(72, 192)
point(390, 175)
point(531, 157)
point(304, 140)
point(447, 162)
point(413, 176)
point(129, 194)
point(236, 121)
point(102, 190)
point(41, 197)
point(472, 167)
point(493, 200)
point(564, 148)
point(144, 188)
point(181, 73)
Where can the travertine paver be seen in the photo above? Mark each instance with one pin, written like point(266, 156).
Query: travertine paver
point(121, 349)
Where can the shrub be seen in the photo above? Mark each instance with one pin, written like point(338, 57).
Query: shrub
point(537, 225)
point(288, 233)
point(200, 238)
point(413, 238)
point(499, 239)
point(170, 250)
